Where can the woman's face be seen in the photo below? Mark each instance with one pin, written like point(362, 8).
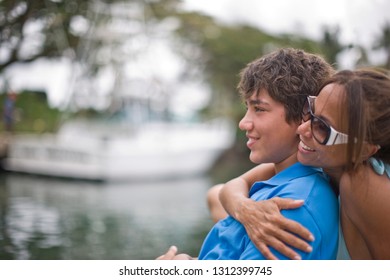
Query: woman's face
point(328, 106)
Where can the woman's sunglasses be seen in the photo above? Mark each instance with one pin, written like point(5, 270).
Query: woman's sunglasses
point(322, 132)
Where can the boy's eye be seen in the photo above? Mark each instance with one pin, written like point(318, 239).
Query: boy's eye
point(258, 109)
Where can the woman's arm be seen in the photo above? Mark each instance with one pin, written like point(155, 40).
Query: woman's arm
point(262, 220)
point(234, 194)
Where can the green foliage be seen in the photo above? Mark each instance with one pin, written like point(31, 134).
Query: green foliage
point(32, 114)
point(54, 19)
point(383, 42)
point(218, 51)
point(55, 34)
point(331, 45)
point(223, 50)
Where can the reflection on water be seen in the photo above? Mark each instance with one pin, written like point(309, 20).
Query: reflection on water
point(45, 218)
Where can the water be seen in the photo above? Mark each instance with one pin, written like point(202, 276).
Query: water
point(46, 218)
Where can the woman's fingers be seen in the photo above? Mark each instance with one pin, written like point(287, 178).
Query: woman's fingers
point(290, 225)
point(169, 255)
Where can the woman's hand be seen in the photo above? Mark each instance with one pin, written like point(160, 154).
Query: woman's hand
point(171, 254)
point(266, 226)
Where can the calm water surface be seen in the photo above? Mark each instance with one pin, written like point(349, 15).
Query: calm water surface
point(46, 218)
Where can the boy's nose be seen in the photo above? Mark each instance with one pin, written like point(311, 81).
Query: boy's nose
point(245, 123)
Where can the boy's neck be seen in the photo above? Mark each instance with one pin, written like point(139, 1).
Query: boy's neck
point(286, 163)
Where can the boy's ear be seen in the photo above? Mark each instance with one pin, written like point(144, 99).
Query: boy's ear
point(369, 150)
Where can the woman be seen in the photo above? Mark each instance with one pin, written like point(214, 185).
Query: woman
point(346, 131)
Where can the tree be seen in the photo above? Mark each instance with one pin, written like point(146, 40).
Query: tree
point(222, 50)
point(50, 28)
point(39, 28)
point(331, 43)
point(383, 42)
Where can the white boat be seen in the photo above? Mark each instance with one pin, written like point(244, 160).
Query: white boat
point(150, 151)
point(138, 147)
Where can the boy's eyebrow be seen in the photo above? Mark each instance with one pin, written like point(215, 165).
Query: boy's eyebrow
point(256, 102)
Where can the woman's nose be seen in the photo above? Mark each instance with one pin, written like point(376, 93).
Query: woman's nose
point(305, 129)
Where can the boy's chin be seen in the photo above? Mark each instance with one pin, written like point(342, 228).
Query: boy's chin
point(255, 159)
point(305, 161)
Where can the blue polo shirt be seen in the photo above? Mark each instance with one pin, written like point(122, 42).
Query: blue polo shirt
point(228, 239)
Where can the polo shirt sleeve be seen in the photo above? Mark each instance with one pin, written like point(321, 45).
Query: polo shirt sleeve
point(300, 215)
point(319, 215)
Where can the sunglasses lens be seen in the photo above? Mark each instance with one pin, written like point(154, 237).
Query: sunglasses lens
point(320, 129)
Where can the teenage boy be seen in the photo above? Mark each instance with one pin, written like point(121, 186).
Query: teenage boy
point(274, 88)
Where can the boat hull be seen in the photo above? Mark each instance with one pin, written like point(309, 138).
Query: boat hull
point(154, 152)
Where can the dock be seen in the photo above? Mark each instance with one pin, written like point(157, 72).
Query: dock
point(5, 139)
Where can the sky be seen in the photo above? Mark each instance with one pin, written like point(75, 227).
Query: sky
point(360, 21)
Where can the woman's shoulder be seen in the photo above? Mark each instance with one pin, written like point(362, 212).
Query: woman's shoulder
point(365, 200)
point(365, 193)
point(380, 167)
point(365, 177)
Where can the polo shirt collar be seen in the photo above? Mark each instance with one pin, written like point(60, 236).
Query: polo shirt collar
point(292, 172)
